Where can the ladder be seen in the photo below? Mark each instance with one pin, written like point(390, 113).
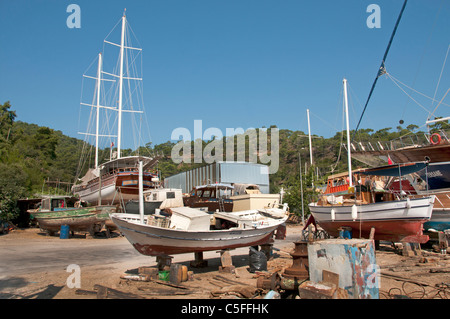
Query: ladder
point(221, 204)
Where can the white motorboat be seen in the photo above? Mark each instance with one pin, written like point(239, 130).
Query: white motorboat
point(187, 229)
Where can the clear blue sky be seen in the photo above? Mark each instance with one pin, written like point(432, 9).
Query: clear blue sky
point(231, 63)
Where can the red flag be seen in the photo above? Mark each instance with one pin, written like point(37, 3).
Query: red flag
point(390, 162)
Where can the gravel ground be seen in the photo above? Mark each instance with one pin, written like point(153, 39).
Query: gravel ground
point(36, 266)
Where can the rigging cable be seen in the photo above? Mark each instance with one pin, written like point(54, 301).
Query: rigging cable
point(424, 50)
point(437, 86)
point(381, 70)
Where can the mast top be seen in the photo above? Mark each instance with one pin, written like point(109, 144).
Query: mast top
point(124, 12)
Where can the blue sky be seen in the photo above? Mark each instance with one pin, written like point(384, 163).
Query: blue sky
point(231, 63)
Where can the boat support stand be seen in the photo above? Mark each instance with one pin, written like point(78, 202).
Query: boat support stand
point(199, 262)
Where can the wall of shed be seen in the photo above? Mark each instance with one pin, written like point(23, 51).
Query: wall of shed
point(221, 172)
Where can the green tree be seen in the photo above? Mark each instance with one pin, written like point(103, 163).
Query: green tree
point(6, 122)
point(12, 187)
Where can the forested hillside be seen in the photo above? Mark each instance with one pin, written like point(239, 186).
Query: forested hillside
point(33, 159)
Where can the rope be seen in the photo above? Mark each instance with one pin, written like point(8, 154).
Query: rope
point(423, 107)
point(417, 291)
point(439, 81)
point(397, 80)
point(381, 70)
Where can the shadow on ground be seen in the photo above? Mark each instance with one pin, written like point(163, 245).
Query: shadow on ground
point(48, 292)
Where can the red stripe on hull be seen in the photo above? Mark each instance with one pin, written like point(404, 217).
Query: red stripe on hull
point(157, 250)
point(389, 230)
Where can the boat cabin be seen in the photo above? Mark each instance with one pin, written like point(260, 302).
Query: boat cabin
point(169, 197)
point(375, 185)
point(59, 203)
point(182, 218)
point(211, 197)
point(339, 183)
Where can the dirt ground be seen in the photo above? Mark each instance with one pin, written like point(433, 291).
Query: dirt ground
point(422, 275)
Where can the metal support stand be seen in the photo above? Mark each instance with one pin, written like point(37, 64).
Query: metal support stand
point(164, 261)
point(199, 262)
point(226, 261)
point(268, 250)
point(298, 272)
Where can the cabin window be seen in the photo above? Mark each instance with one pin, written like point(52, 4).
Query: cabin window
point(155, 196)
point(46, 204)
point(58, 203)
point(170, 194)
point(206, 193)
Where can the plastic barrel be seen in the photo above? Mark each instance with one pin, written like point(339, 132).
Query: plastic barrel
point(347, 232)
point(64, 232)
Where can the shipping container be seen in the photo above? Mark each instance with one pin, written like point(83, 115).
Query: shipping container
point(221, 172)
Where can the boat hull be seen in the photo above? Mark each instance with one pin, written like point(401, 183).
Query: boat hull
point(78, 219)
point(157, 241)
point(440, 219)
point(393, 221)
point(124, 182)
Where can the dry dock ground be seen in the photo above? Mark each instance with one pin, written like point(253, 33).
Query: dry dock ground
point(36, 266)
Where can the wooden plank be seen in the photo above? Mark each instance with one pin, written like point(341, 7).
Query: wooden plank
point(168, 284)
point(85, 292)
point(330, 277)
point(231, 282)
point(104, 292)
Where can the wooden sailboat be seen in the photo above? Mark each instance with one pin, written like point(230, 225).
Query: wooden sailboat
point(394, 218)
point(117, 179)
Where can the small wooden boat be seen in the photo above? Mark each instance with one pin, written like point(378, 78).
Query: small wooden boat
point(187, 230)
point(399, 220)
point(394, 216)
point(56, 211)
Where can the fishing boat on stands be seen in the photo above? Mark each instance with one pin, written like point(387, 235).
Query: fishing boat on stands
point(116, 180)
point(56, 211)
point(434, 180)
point(186, 229)
point(394, 217)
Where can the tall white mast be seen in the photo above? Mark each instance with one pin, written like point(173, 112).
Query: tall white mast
point(348, 135)
point(99, 81)
point(310, 144)
point(119, 130)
